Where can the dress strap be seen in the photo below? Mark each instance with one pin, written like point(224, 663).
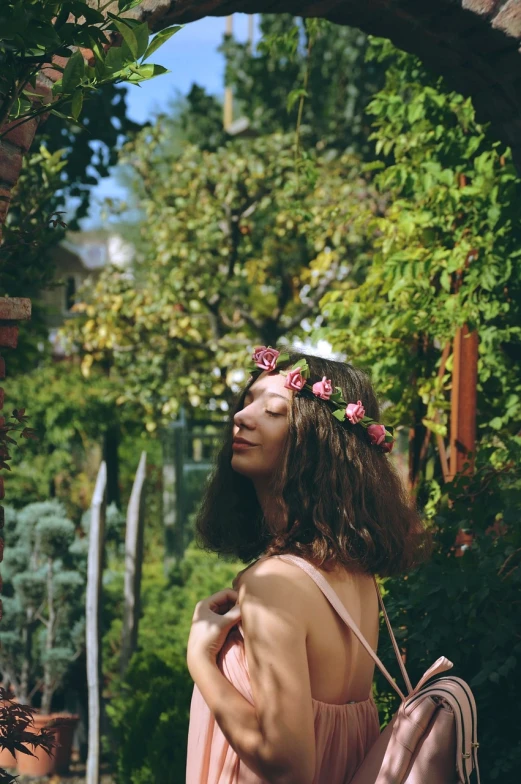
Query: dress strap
point(334, 599)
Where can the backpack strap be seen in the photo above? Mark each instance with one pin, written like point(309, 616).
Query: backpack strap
point(334, 599)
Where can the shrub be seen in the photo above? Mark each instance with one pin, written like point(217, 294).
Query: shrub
point(149, 718)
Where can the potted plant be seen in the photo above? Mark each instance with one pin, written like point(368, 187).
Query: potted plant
point(45, 572)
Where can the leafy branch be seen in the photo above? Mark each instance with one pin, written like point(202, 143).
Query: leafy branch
point(32, 38)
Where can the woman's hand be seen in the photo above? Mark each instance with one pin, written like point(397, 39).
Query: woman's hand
point(212, 620)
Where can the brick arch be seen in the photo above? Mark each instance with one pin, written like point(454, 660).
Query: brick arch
point(474, 44)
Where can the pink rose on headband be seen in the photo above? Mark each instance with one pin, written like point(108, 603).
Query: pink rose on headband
point(265, 358)
point(323, 389)
point(376, 434)
point(294, 380)
point(387, 446)
point(355, 412)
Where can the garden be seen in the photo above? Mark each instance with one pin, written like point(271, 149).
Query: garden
point(356, 205)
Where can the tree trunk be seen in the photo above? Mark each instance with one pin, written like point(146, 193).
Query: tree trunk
point(48, 686)
point(27, 643)
point(173, 491)
point(94, 575)
point(111, 441)
point(133, 564)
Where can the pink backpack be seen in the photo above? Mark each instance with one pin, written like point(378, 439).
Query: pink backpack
point(432, 737)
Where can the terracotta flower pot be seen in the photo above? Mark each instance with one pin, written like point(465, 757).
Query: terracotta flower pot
point(43, 764)
point(7, 760)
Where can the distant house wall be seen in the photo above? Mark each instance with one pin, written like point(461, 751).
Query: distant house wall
point(70, 274)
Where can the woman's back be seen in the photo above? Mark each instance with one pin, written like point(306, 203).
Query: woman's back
point(340, 670)
point(345, 715)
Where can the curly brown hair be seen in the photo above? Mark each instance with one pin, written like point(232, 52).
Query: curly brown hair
point(344, 501)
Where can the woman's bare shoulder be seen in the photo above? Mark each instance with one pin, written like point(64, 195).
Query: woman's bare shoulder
point(271, 567)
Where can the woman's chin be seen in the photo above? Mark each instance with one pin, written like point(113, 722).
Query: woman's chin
point(241, 465)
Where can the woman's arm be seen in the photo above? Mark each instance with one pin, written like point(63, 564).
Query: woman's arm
point(274, 737)
point(239, 724)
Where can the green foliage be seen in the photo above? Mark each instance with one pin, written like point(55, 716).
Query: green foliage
point(231, 253)
point(69, 419)
point(44, 578)
point(33, 33)
point(447, 253)
point(198, 119)
point(149, 717)
point(53, 193)
point(308, 59)
point(33, 228)
point(71, 416)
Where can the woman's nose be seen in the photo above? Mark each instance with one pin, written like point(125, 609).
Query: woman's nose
point(244, 418)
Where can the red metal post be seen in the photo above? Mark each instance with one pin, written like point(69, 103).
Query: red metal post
point(463, 401)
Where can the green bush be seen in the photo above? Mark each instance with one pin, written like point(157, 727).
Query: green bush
point(149, 718)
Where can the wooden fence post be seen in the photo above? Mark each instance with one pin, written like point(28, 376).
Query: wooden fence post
point(133, 564)
point(94, 575)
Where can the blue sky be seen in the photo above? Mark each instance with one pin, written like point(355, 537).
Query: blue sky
point(191, 56)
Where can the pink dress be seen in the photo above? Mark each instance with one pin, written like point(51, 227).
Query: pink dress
point(343, 733)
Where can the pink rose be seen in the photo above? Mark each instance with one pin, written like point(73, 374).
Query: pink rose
point(323, 389)
point(387, 446)
point(265, 358)
point(355, 412)
point(257, 353)
point(294, 380)
point(376, 434)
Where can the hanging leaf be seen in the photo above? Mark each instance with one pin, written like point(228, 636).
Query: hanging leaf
point(77, 103)
point(126, 5)
point(294, 96)
point(160, 38)
point(73, 73)
point(129, 38)
point(142, 34)
point(146, 71)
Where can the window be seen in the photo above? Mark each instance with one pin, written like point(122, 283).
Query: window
point(70, 293)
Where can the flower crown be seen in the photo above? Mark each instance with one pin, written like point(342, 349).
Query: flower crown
point(267, 358)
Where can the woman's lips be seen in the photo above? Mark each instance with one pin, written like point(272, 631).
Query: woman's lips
point(239, 446)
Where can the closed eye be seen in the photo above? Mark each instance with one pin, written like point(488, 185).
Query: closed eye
point(272, 413)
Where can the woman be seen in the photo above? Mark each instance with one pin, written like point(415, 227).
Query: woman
point(282, 686)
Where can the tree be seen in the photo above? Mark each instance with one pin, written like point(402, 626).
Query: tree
point(234, 250)
point(327, 61)
point(46, 577)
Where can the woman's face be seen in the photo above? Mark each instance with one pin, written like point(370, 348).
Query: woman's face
point(263, 422)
